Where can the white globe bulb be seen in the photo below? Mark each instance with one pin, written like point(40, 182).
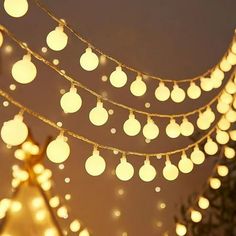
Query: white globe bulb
point(132, 126)
point(224, 124)
point(232, 134)
point(225, 66)
point(14, 132)
point(147, 172)
point(231, 115)
point(138, 87)
point(98, 115)
point(222, 170)
point(16, 8)
point(71, 101)
point(24, 71)
point(231, 58)
point(222, 137)
point(124, 171)
point(216, 82)
point(177, 94)
point(89, 60)
point(211, 147)
point(226, 98)
point(95, 164)
point(217, 75)
point(222, 107)
point(185, 165)
point(118, 78)
point(197, 156)
point(215, 183)
point(203, 123)
point(209, 115)
point(57, 39)
point(230, 87)
point(186, 127)
point(194, 91)
point(173, 129)
point(203, 203)
point(206, 84)
point(229, 153)
point(75, 226)
point(170, 171)
point(196, 216)
point(162, 93)
point(1, 39)
point(150, 130)
point(58, 150)
point(180, 229)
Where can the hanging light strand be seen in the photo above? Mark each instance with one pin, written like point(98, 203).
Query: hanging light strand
point(80, 85)
point(119, 63)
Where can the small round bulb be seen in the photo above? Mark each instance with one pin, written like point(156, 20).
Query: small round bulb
point(206, 84)
point(186, 127)
point(185, 164)
point(222, 137)
point(173, 129)
point(147, 172)
point(203, 203)
point(138, 87)
point(170, 171)
point(98, 115)
point(118, 78)
point(162, 93)
point(214, 183)
point(211, 147)
point(89, 60)
point(231, 58)
point(194, 91)
point(217, 74)
point(124, 171)
point(1, 39)
point(224, 124)
point(229, 153)
point(202, 122)
point(132, 126)
point(230, 87)
point(222, 107)
point(226, 97)
point(196, 216)
point(222, 170)
point(197, 156)
point(16, 8)
point(231, 115)
point(209, 115)
point(150, 130)
point(225, 66)
point(180, 229)
point(75, 226)
point(177, 94)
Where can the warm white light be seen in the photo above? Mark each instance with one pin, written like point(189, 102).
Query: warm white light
point(215, 183)
point(162, 93)
point(50, 232)
point(54, 202)
point(224, 124)
point(217, 74)
point(58, 150)
point(202, 122)
point(194, 91)
point(211, 147)
point(233, 48)
point(170, 171)
point(16, 8)
point(75, 226)
point(232, 134)
point(230, 87)
point(118, 78)
point(71, 101)
point(16, 206)
point(180, 229)
point(209, 115)
point(177, 94)
point(196, 216)
point(95, 164)
point(89, 60)
point(147, 172)
point(24, 71)
point(40, 215)
point(186, 127)
point(185, 164)
point(197, 156)
point(138, 87)
point(84, 232)
point(226, 98)
point(62, 212)
point(150, 130)
point(203, 203)
point(132, 126)
point(98, 115)
point(206, 84)
point(229, 152)
point(222, 107)
point(124, 171)
point(57, 39)
point(222, 170)
point(231, 58)
point(1, 39)
point(222, 137)
point(231, 115)
point(225, 65)
point(173, 129)
point(14, 132)
point(20, 154)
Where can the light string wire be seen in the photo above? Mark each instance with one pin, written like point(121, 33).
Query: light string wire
point(77, 83)
point(101, 146)
point(82, 39)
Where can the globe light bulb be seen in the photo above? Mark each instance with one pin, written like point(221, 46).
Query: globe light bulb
point(89, 60)
point(196, 216)
point(202, 122)
point(147, 172)
point(177, 94)
point(232, 134)
point(58, 150)
point(132, 126)
point(230, 87)
point(14, 132)
point(206, 84)
point(138, 87)
point(95, 164)
point(231, 115)
point(209, 115)
point(233, 48)
point(226, 97)
point(186, 127)
point(71, 101)
point(173, 129)
point(224, 124)
point(185, 164)
point(217, 74)
point(98, 115)
point(118, 78)
point(211, 147)
point(75, 226)
point(150, 129)
point(231, 58)
point(229, 153)
point(124, 171)
point(84, 232)
point(197, 156)
point(225, 66)
point(24, 71)
point(180, 229)
point(62, 212)
point(194, 91)
point(222, 107)
point(57, 39)
point(214, 183)
point(222, 137)
point(16, 8)
point(203, 203)
point(222, 170)
point(216, 82)
point(54, 202)
point(1, 39)
point(162, 93)
point(170, 171)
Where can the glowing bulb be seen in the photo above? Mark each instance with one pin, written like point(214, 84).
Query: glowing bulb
point(118, 78)
point(89, 60)
point(124, 171)
point(202, 122)
point(173, 129)
point(222, 137)
point(162, 93)
point(50, 232)
point(147, 172)
point(186, 127)
point(229, 152)
point(196, 216)
point(231, 58)
point(98, 115)
point(177, 94)
point(75, 226)
point(54, 202)
point(232, 134)
point(222, 107)
point(24, 71)
point(206, 84)
point(224, 124)
point(215, 183)
point(16, 206)
point(40, 215)
point(14, 132)
point(57, 39)
point(138, 87)
point(62, 212)
point(217, 75)
point(58, 150)
point(226, 98)
point(209, 115)
point(197, 156)
point(16, 8)
point(170, 171)
point(150, 130)
point(231, 115)
point(233, 48)
point(194, 91)
point(84, 232)
point(230, 87)
point(225, 65)
point(132, 126)
point(222, 170)
point(180, 229)
point(210, 147)
point(95, 164)
point(185, 164)
point(1, 39)
point(203, 203)
point(71, 101)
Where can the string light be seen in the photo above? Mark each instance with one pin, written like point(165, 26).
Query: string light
point(132, 126)
point(75, 226)
point(197, 156)
point(203, 203)
point(211, 147)
point(194, 91)
point(229, 152)
point(177, 94)
point(16, 8)
point(138, 87)
point(180, 229)
point(124, 171)
point(214, 183)
point(98, 115)
point(84, 232)
point(170, 171)
point(173, 129)
point(206, 84)
point(222, 137)
point(89, 60)
point(185, 164)
point(196, 216)
point(222, 170)
point(147, 172)
point(150, 129)
point(162, 93)
point(186, 127)
point(118, 78)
